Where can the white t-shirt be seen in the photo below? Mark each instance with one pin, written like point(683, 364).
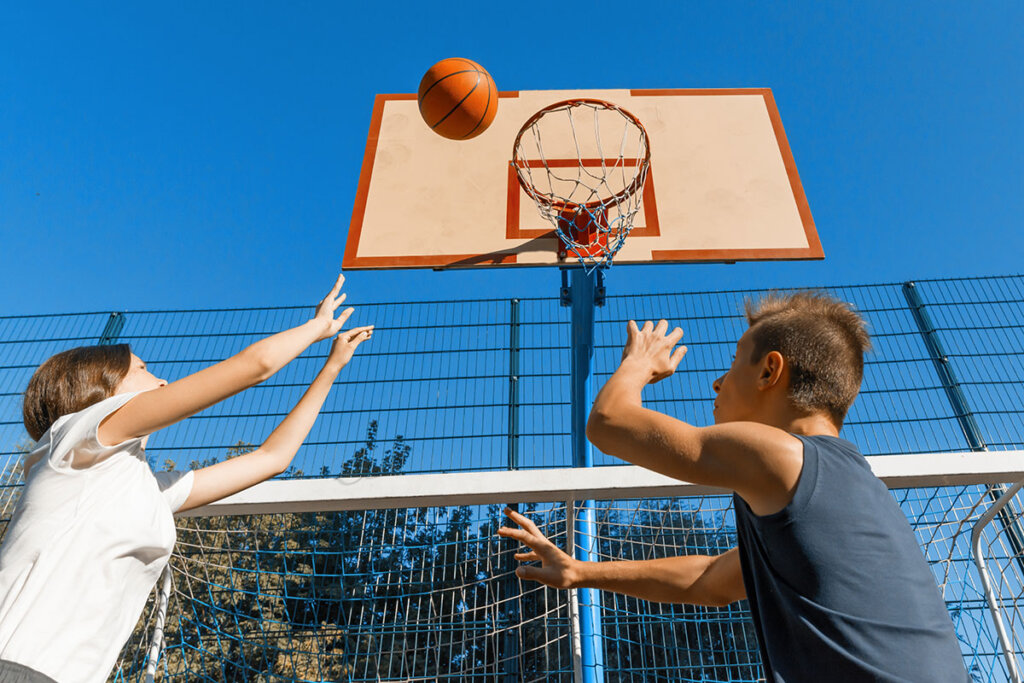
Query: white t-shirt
point(84, 549)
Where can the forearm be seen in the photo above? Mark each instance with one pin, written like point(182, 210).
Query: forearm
point(274, 352)
point(624, 388)
point(284, 442)
point(695, 579)
point(670, 579)
point(273, 457)
point(619, 425)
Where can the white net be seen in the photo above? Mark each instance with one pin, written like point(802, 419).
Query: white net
point(429, 593)
point(584, 163)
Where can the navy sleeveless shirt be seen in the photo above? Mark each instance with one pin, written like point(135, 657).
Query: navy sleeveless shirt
point(837, 584)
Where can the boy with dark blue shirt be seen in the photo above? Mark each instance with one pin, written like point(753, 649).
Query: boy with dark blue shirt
point(837, 585)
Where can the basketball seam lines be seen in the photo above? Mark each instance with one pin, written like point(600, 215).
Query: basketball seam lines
point(482, 116)
point(459, 103)
point(454, 73)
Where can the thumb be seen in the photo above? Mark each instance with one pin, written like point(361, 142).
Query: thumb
point(528, 573)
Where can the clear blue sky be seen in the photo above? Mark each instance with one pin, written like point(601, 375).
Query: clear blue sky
point(199, 155)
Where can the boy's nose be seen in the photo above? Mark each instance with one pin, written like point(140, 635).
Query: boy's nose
point(717, 384)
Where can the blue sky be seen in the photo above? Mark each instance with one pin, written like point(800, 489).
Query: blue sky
point(201, 155)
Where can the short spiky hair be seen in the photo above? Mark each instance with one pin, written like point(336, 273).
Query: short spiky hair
point(821, 338)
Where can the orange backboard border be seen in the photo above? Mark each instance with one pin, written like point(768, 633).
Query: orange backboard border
point(813, 251)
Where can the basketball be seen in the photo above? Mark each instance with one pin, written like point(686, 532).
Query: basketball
point(458, 98)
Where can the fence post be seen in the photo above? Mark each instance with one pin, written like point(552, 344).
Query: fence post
point(510, 648)
point(513, 385)
point(961, 409)
point(943, 367)
point(112, 330)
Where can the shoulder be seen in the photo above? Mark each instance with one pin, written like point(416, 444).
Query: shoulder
point(75, 437)
point(755, 439)
point(767, 462)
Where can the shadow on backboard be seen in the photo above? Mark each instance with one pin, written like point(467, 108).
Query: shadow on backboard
point(548, 243)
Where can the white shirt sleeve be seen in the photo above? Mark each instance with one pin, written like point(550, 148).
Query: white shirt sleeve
point(175, 487)
point(78, 433)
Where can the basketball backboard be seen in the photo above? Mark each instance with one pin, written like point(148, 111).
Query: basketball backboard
point(722, 186)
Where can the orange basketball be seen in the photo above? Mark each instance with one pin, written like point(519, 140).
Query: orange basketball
point(458, 98)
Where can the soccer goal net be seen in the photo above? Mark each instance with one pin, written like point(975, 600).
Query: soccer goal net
point(403, 577)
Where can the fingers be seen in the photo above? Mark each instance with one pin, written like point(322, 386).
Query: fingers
point(522, 521)
point(535, 573)
point(362, 333)
point(529, 573)
point(337, 286)
point(331, 295)
point(531, 556)
point(521, 535)
point(340, 322)
point(660, 329)
point(677, 356)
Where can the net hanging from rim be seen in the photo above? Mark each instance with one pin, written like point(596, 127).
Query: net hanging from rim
point(584, 163)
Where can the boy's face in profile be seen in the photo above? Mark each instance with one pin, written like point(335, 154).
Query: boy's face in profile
point(737, 390)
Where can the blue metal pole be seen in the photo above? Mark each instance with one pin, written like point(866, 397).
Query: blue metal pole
point(112, 330)
point(582, 292)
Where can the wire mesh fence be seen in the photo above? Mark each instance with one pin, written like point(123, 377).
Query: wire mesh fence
point(430, 594)
point(484, 385)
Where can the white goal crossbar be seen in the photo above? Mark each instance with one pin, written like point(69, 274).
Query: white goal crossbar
point(553, 485)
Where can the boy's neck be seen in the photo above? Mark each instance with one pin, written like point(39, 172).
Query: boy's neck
point(814, 424)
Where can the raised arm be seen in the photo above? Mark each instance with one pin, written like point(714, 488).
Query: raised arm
point(162, 407)
point(714, 580)
point(760, 462)
point(275, 455)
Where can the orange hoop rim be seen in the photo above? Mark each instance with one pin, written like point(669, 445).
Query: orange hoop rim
point(561, 205)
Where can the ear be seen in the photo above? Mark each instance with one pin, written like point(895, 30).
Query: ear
point(772, 368)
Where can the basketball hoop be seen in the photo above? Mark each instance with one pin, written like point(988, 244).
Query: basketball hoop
point(591, 190)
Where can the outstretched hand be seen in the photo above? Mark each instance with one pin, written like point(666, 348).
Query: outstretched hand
point(325, 311)
point(650, 349)
point(345, 345)
point(557, 569)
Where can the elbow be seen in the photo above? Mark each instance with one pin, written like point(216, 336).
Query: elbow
point(705, 597)
point(717, 600)
point(598, 429)
point(261, 367)
point(274, 464)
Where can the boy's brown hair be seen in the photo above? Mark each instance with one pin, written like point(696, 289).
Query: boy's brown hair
point(821, 338)
point(71, 381)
